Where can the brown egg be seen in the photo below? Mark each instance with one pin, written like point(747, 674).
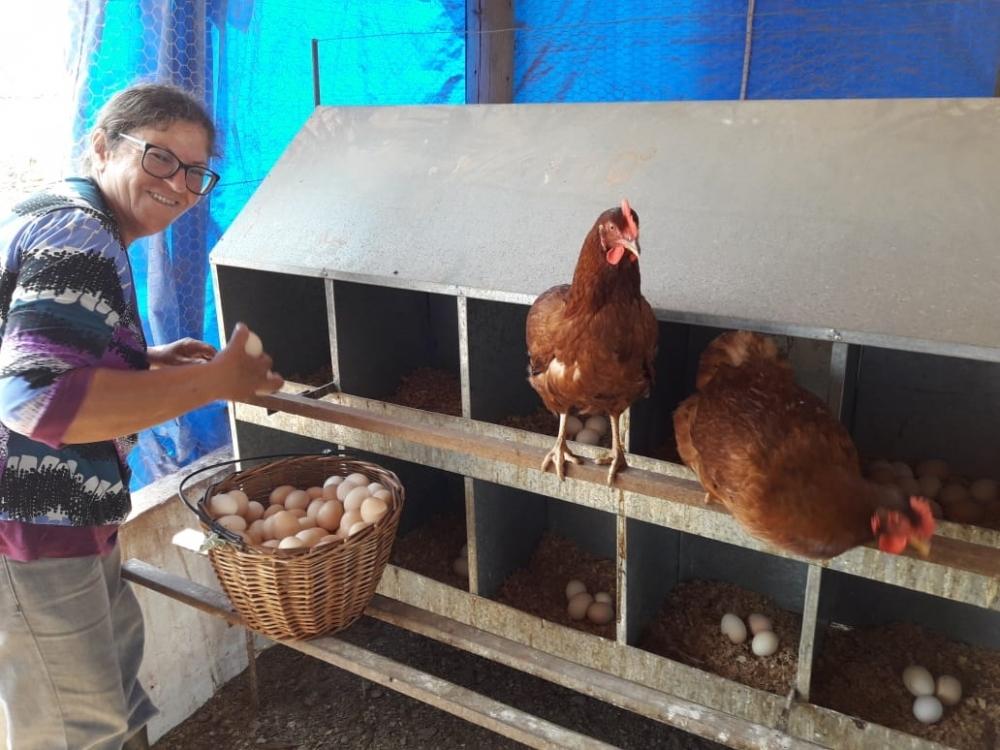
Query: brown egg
point(272, 509)
point(256, 531)
point(314, 492)
point(578, 605)
point(223, 504)
point(372, 509)
point(233, 523)
point(254, 511)
point(312, 536)
point(278, 494)
point(297, 512)
point(349, 519)
point(600, 613)
point(314, 506)
point(241, 498)
point(308, 523)
point(355, 497)
point(357, 528)
point(329, 515)
point(330, 492)
point(297, 500)
point(285, 524)
point(328, 539)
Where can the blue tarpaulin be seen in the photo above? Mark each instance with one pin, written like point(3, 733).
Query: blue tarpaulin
point(252, 62)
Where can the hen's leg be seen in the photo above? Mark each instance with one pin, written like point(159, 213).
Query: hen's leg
point(560, 454)
point(617, 456)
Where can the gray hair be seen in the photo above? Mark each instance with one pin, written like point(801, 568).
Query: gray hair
point(149, 104)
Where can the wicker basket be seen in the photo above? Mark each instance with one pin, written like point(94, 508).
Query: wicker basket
point(301, 593)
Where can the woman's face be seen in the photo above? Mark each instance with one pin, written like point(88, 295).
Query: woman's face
point(143, 204)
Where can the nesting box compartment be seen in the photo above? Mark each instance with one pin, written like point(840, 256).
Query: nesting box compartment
point(681, 585)
point(871, 632)
point(528, 547)
point(398, 345)
point(288, 312)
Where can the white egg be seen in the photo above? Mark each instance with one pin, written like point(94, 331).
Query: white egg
point(603, 596)
point(758, 623)
point(254, 346)
point(345, 488)
point(598, 424)
point(983, 490)
point(764, 643)
point(357, 528)
point(928, 709)
point(733, 628)
point(358, 478)
point(573, 426)
point(589, 437)
point(291, 542)
point(575, 587)
point(333, 480)
point(918, 680)
point(375, 487)
point(949, 690)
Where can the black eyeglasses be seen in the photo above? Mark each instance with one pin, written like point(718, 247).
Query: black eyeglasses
point(159, 162)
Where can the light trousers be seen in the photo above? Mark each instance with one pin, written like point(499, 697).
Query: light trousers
point(71, 641)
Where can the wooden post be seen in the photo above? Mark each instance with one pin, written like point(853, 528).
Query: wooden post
point(489, 51)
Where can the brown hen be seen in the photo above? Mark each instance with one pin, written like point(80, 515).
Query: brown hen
point(591, 344)
point(774, 455)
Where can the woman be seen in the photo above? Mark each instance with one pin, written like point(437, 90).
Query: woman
point(76, 382)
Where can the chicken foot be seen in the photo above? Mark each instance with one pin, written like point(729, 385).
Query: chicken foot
point(616, 458)
point(560, 454)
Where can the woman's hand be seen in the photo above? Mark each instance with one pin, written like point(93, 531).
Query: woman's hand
point(186, 351)
point(241, 375)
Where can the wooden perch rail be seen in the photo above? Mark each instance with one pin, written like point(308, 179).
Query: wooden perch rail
point(957, 568)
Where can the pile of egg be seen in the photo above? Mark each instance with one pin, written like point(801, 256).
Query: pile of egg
point(599, 608)
point(589, 432)
point(300, 518)
point(954, 497)
point(764, 642)
point(931, 697)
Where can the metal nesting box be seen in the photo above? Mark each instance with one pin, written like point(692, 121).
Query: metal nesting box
point(393, 238)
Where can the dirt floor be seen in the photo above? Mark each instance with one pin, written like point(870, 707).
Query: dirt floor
point(307, 704)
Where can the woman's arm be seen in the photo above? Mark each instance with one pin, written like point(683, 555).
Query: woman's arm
point(120, 402)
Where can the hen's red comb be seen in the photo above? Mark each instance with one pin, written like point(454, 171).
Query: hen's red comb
point(925, 517)
point(630, 225)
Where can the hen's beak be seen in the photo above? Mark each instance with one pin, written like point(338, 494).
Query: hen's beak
point(629, 245)
point(921, 546)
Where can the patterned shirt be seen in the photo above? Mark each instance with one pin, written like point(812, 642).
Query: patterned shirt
point(67, 306)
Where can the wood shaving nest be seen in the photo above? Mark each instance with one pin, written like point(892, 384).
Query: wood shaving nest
point(431, 550)
point(540, 588)
point(430, 390)
point(687, 631)
point(859, 672)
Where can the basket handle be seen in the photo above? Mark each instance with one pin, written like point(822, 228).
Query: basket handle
point(203, 515)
